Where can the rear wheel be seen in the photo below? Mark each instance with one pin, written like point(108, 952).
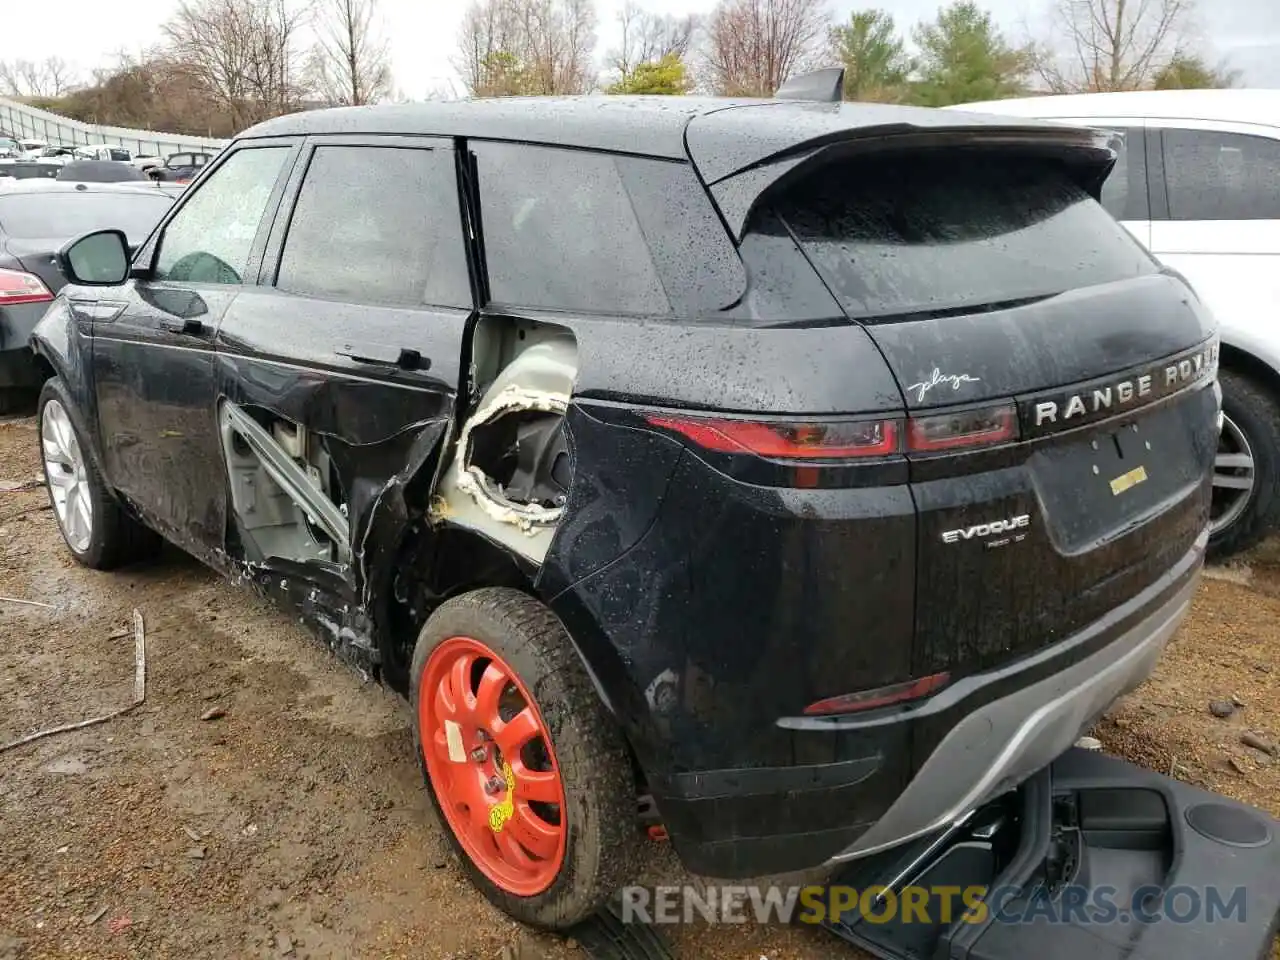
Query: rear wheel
point(527, 770)
point(1247, 468)
point(94, 526)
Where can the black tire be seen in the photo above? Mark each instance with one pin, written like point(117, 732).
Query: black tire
point(1254, 410)
point(116, 538)
point(602, 844)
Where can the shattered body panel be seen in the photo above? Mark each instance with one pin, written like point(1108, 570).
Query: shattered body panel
point(379, 430)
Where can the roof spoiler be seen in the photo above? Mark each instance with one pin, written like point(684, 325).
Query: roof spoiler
point(826, 86)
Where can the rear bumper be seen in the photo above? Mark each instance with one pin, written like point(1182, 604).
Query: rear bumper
point(18, 367)
point(1002, 726)
point(1001, 744)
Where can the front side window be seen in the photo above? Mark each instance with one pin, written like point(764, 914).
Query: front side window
point(1221, 176)
point(378, 225)
point(560, 232)
point(209, 240)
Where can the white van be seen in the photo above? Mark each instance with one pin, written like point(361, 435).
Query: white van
point(1198, 182)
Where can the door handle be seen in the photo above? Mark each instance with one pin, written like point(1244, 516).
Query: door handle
point(191, 326)
point(382, 356)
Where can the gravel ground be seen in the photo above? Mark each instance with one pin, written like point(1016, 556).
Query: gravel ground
point(292, 823)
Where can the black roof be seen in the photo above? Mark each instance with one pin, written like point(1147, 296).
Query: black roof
point(722, 136)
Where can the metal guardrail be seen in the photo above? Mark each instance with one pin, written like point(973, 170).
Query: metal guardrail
point(22, 122)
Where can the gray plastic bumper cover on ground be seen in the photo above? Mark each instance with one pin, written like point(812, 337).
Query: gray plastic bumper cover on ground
point(999, 745)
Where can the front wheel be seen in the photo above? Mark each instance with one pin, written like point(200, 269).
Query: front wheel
point(94, 526)
point(1246, 503)
point(527, 770)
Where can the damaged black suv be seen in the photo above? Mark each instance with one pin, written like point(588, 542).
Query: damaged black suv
point(815, 472)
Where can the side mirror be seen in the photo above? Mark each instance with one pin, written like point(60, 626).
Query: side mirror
point(98, 259)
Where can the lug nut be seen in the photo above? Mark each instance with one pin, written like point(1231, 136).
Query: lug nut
point(493, 785)
point(479, 754)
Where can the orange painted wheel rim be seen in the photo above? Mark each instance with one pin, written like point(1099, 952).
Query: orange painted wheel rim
point(490, 759)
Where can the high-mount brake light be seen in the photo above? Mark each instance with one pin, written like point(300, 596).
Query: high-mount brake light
point(961, 429)
point(811, 440)
point(894, 694)
point(18, 287)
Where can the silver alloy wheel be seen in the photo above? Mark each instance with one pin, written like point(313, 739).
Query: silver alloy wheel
point(64, 468)
point(1232, 477)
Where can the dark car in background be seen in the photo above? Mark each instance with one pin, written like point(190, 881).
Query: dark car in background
point(36, 218)
point(819, 472)
point(100, 171)
point(28, 170)
point(180, 167)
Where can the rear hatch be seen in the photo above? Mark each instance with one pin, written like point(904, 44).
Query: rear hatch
point(1059, 381)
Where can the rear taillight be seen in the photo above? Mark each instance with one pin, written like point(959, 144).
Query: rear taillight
point(846, 439)
point(965, 428)
point(17, 287)
point(818, 440)
point(892, 695)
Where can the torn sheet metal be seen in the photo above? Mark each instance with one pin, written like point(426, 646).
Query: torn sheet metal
point(539, 379)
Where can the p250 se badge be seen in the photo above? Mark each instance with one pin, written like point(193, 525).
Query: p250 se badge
point(985, 530)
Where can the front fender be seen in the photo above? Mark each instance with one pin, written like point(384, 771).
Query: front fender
point(63, 341)
point(59, 340)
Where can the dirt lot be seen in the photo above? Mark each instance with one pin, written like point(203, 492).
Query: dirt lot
point(295, 825)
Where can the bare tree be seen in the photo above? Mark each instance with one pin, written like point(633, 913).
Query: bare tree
point(48, 78)
point(649, 37)
point(1111, 44)
point(351, 61)
point(243, 52)
point(508, 47)
point(755, 45)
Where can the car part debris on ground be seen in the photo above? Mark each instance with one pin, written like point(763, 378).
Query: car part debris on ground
point(27, 603)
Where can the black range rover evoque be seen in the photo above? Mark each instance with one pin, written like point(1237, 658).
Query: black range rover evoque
point(818, 471)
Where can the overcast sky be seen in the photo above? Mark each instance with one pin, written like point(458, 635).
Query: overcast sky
point(424, 32)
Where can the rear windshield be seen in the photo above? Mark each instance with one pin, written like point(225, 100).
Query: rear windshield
point(946, 231)
point(46, 216)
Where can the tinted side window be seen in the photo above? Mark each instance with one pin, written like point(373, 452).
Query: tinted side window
point(1221, 176)
point(560, 232)
point(210, 238)
point(378, 225)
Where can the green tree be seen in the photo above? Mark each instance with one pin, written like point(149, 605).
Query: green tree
point(964, 57)
point(503, 75)
point(876, 64)
point(665, 76)
point(1189, 72)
